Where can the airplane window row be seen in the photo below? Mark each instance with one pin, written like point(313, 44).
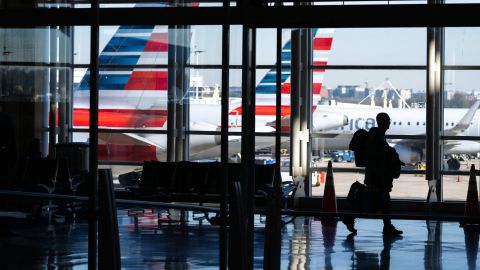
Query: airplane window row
point(408, 123)
point(418, 123)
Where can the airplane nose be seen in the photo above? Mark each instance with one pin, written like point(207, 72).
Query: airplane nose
point(345, 120)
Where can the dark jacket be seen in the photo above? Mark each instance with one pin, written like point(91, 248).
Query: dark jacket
point(378, 172)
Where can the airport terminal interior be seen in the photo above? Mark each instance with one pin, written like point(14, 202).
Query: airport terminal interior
point(249, 134)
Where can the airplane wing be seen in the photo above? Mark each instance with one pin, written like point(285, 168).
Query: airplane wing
point(124, 139)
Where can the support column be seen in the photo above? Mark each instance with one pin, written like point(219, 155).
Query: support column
point(172, 94)
point(93, 133)
point(300, 110)
point(52, 112)
point(434, 127)
point(182, 110)
point(272, 250)
point(434, 132)
point(224, 225)
point(248, 140)
point(178, 83)
point(64, 84)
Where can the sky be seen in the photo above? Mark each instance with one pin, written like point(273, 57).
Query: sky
point(351, 46)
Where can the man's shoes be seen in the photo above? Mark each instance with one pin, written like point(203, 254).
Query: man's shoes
point(350, 223)
point(391, 230)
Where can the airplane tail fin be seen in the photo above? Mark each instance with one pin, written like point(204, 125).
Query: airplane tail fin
point(463, 124)
point(130, 46)
point(322, 44)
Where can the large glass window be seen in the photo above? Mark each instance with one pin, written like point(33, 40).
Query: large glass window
point(461, 145)
point(35, 92)
point(352, 92)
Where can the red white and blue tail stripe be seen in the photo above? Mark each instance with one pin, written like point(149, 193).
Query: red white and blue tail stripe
point(265, 109)
point(130, 97)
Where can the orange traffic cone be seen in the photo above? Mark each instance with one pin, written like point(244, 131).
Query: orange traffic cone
point(471, 205)
point(329, 199)
point(458, 178)
point(322, 177)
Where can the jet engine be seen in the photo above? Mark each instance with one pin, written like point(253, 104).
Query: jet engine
point(408, 154)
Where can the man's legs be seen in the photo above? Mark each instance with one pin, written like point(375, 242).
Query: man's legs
point(384, 202)
point(350, 223)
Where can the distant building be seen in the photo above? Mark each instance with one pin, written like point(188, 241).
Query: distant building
point(349, 92)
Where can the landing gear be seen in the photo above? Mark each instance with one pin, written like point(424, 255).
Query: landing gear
point(453, 164)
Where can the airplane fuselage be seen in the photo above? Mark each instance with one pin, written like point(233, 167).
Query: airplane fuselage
point(403, 122)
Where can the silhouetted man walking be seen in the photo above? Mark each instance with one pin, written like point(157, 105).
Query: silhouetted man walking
point(382, 165)
point(378, 174)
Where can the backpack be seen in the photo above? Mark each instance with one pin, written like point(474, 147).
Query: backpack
point(358, 145)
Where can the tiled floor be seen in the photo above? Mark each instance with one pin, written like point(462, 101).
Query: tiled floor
point(306, 244)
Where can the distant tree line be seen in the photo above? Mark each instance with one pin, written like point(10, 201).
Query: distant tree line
point(459, 100)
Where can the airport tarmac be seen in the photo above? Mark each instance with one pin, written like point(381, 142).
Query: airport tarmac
point(408, 186)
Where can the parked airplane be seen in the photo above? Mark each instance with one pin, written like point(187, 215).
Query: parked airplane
point(134, 97)
point(407, 122)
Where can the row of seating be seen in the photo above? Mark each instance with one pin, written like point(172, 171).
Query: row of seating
point(193, 177)
point(50, 174)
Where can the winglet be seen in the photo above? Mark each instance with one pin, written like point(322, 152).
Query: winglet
point(466, 119)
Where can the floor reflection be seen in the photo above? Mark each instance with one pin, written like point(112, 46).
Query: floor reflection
point(471, 245)
point(151, 241)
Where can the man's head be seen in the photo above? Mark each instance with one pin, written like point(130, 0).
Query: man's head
point(383, 121)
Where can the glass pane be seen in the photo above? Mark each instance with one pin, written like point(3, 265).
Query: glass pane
point(459, 155)
point(346, 107)
point(407, 186)
point(131, 147)
point(361, 95)
point(461, 45)
point(367, 2)
point(159, 3)
point(265, 100)
point(461, 89)
point(236, 44)
point(133, 45)
point(208, 147)
point(455, 187)
point(460, 118)
point(81, 45)
point(204, 98)
point(59, 39)
point(461, 1)
point(35, 93)
point(45, 4)
point(378, 46)
point(266, 46)
point(127, 99)
point(150, 44)
point(206, 45)
point(235, 101)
